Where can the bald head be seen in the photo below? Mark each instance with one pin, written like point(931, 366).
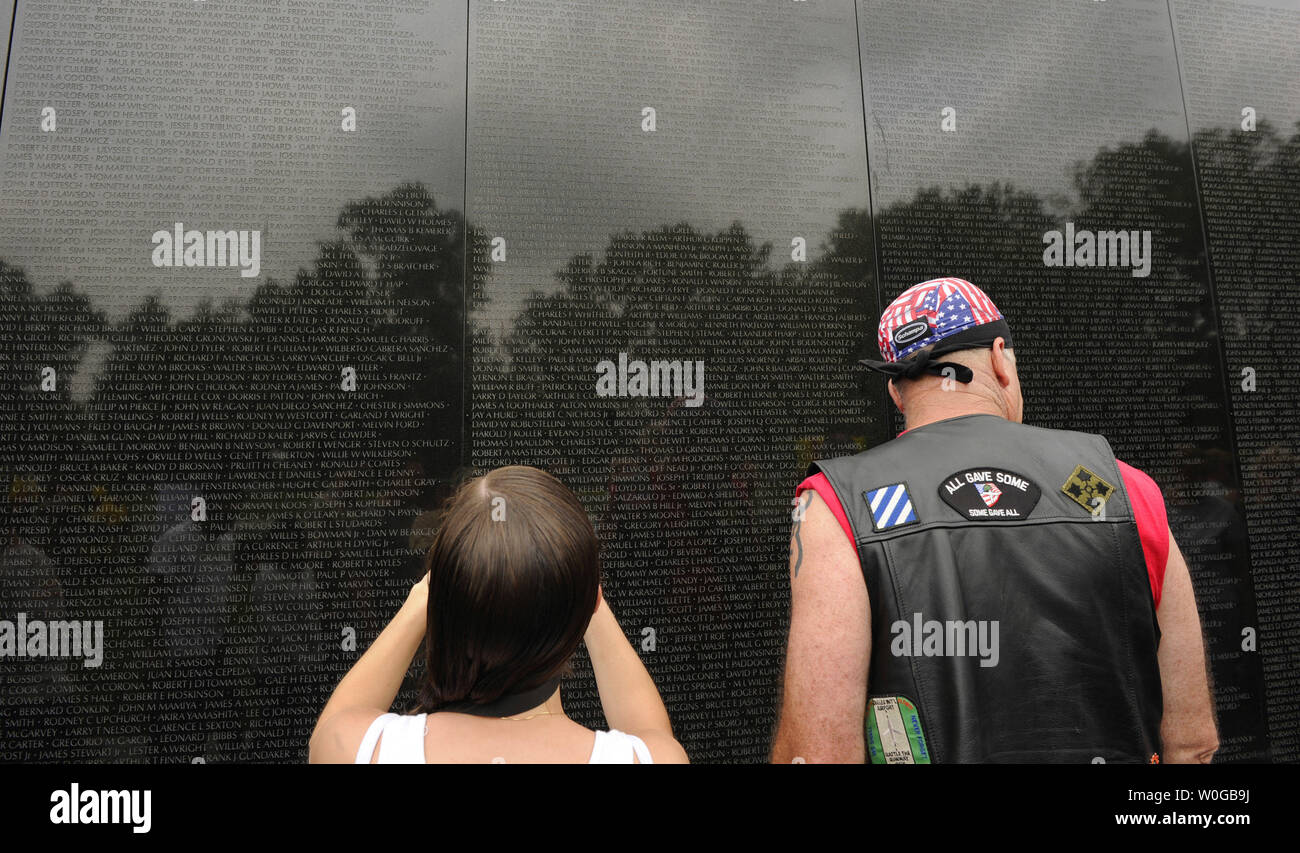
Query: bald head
point(994, 388)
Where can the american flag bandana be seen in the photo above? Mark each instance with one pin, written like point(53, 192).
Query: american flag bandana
point(928, 312)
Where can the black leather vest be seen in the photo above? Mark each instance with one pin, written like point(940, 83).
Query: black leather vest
point(1011, 614)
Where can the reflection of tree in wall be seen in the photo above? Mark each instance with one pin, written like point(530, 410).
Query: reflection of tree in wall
point(245, 406)
point(686, 488)
point(1137, 359)
point(1088, 341)
point(1249, 186)
point(242, 403)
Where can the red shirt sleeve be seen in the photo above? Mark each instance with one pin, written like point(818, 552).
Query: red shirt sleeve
point(1143, 494)
point(1152, 523)
point(822, 486)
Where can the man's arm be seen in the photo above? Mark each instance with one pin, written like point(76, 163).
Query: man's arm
point(829, 647)
point(1187, 729)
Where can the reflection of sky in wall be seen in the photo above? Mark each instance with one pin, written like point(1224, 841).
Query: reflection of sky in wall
point(219, 115)
point(1036, 85)
point(757, 117)
point(1240, 54)
point(758, 120)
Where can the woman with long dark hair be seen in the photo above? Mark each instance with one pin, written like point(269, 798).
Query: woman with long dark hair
point(513, 585)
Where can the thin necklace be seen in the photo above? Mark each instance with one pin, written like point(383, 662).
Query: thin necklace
point(530, 716)
point(512, 719)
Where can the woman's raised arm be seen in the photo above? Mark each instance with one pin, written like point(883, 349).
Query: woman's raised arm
point(370, 687)
point(627, 693)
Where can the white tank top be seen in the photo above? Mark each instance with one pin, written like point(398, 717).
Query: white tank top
point(404, 743)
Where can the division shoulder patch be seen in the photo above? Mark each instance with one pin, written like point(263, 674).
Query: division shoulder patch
point(891, 506)
point(990, 494)
point(1087, 489)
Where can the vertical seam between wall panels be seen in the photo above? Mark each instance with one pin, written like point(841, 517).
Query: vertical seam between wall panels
point(886, 418)
point(1222, 350)
point(9, 49)
point(465, 288)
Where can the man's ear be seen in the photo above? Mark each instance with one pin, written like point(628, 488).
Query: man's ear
point(1001, 362)
point(896, 396)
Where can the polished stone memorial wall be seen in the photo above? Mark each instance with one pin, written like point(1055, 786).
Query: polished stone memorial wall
point(276, 276)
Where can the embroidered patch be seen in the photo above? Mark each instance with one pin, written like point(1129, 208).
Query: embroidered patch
point(990, 494)
point(1087, 489)
point(891, 506)
point(894, 733)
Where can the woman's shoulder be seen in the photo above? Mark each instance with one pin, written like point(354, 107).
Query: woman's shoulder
point(371, 736)
point(394, 739)
point(618, 747)
point(342, 737)
point(459, 738)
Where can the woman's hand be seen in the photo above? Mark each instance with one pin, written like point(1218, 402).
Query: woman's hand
point(418, 597)
point(600, 621)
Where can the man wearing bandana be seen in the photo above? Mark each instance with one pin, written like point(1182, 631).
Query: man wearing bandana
point(981, 590)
